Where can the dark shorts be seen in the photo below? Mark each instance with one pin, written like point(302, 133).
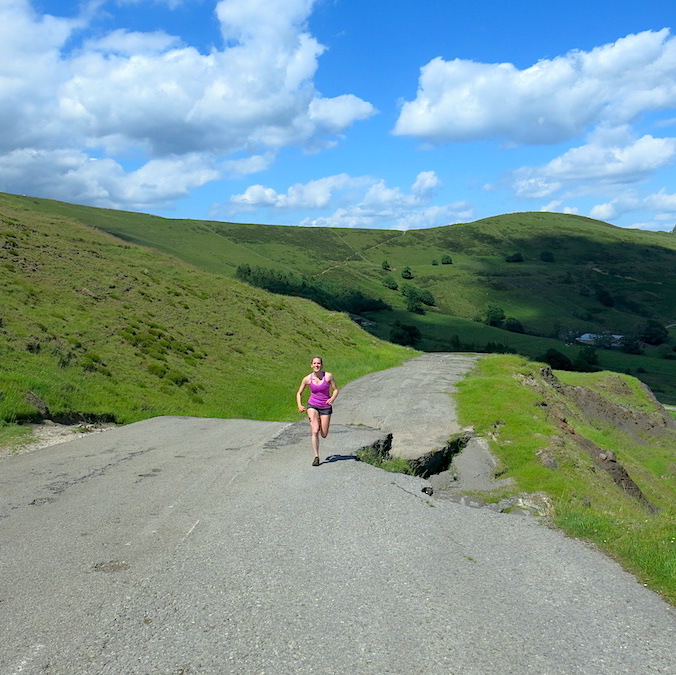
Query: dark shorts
point(321, 411)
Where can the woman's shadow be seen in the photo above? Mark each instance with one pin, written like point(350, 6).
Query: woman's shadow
point(340, 458)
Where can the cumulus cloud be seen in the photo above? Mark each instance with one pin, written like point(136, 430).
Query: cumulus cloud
point(611, 157)
point(75, 176)
point(362, 201)
point(550, 102)
point(662, 206)
point(130, 93)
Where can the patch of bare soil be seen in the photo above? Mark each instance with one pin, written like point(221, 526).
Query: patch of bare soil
point(47, 433)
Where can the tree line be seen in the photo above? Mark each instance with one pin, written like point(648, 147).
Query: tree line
point(329, 294)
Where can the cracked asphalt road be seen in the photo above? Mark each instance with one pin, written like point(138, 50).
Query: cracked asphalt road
point(184, 545)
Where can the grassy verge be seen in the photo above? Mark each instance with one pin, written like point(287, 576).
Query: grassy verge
point(587, 503)
point(12, 437)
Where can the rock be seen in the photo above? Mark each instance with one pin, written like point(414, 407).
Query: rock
point(33, 399)
point(547, 460)
point(536, 503)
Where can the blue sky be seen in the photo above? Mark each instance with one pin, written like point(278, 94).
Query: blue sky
point(343, 113)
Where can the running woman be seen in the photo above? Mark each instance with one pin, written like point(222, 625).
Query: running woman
point(323, 392)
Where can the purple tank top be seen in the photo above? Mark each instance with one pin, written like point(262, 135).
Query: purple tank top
point(320, 392)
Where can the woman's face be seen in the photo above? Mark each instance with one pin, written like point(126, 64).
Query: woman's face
point(316, 364)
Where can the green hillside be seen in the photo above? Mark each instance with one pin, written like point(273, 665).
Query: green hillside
point(97, 328)
point(576, 276)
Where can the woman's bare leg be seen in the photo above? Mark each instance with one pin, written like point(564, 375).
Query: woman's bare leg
point(315, 426)
point(325, 422)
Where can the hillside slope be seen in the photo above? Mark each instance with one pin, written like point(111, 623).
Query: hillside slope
point(576, 276)
point(93, 327)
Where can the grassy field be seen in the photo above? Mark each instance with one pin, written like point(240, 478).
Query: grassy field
point(100, 329)
point(588, 504)
point(577, 275)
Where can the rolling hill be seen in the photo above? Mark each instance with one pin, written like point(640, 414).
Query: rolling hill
point(94, 328)
point(554, 276)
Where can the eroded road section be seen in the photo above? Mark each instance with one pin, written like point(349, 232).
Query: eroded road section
point(182, 545)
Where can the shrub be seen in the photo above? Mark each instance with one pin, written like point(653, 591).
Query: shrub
point(514, 258)
point(157, 369)
point(446, 260)
point(493, 316)
point(403, 334)
point(547, 256)
point(653, 333)
point(630, 345)
point(386, 266)
point(389, 282)
point(556, 360)
point(604, 297)
point(406, 273)
point(435, 262)
point(177, 377)
point(513, 325)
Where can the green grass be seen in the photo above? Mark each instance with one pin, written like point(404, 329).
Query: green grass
point(101, 329)
point(12, 437)
point(388, 463)
point(587, 503)
point(550, 299)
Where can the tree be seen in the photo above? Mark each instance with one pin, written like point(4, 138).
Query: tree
point(604, 297)
point(589, 355)
point(413, 292)
point(514, 258)
point(630, 344)
point(653, 333)
point(446, 260)
point(403, 334)
point(386, 266)
point(435, 262)
point(556, 360)
point(513, 325)
point(494, 316)
point(406, 273)
point(413, 299)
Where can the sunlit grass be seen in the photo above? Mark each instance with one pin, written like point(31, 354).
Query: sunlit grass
point(587, 503)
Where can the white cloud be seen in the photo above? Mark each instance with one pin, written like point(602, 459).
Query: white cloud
point(129, 43)
point(425, 183)
point(248, 165)
point(612, 157)
point(72, 175)
point(361, 201)
point(316, 194)
point(661, 205)
point(552, 101)
point(128, 93)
